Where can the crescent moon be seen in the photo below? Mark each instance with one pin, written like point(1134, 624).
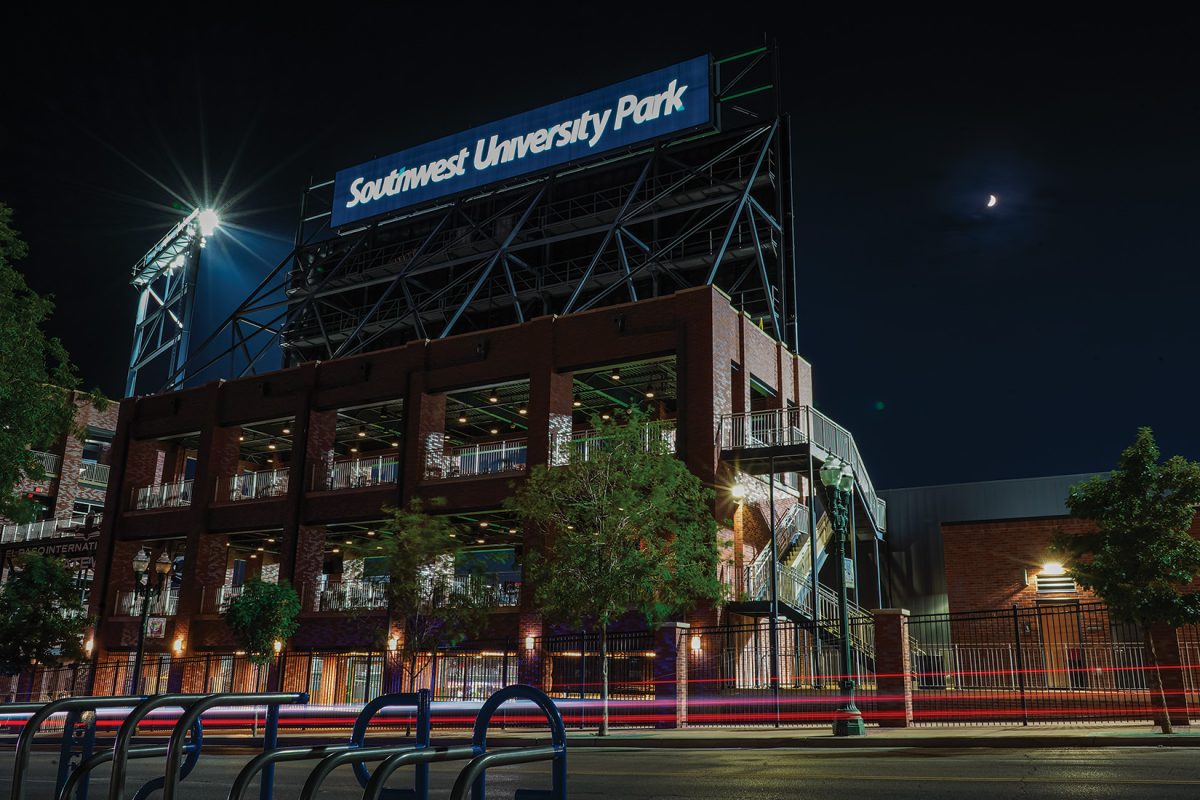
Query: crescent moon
point(991, 200)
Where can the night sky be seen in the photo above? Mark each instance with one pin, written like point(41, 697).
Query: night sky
point(958, 343)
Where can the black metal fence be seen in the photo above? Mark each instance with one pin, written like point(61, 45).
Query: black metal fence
point(570, 670)
point(729, 674)
point(1049, 663)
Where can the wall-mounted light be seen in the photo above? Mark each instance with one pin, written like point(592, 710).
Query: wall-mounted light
point(696, 643)
point(1053, 568)
point(737, 491)
point(278, 647)
point(89, 645)
point(528, 642)
point(393, 643)
point(177, 647)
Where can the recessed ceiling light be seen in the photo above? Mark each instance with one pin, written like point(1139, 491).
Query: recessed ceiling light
point(370, 533)
point(378, 547)
point(604, 416)
point(570, 527)
point(335, 550)
point(261, 549)
point(479, 540)
point(348, 541)
point(287, 430)
point(494, 431)
point(254, 555)
point(362, 431)
point(649, 394)
point(272, 539)
point(493, 398)
point(241, 438)
point(353, 449)
point(483, 524)
point(512, 530)
point(616, 375)
point(522, 411)
point(395, 444)
point(462, 420)
point(270, 445)
point(577, 403)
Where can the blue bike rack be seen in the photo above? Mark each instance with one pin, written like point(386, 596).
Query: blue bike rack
point(474, 776)
point(81, 775)
point(354, 753)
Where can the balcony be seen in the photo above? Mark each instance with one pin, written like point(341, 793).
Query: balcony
point(163, 495)
point(129, 604)
point(67, 525)
point(360, 473)
point(260, 485)
point(583, 445)
point(489, 458)
point(94, 475)
point(50, 462)
point(221, 599)
point(484, 590)
point(351, 596)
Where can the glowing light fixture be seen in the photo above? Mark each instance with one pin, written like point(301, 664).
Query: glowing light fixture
point(528, 642)
point(209, 222)
point(695, 644)
point(522, 411)
point(480, 541)
point(494, 431)
point(370, 533)
point(577, 403)
point(286, 430)
point(278, 646)
point(492, 398)
point(737, 491)
point(89, 645)
point(616, 375)
point(177, 646)
point(1053, 568)
point(362, 431)
point(393, 643)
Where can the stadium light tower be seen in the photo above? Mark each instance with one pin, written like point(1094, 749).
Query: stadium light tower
point(165, 279)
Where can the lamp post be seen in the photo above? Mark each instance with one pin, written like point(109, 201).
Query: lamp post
point(148, 588)
point(838, 479)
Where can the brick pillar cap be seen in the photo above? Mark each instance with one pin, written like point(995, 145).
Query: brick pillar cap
point(878, 611)
point(683, 625)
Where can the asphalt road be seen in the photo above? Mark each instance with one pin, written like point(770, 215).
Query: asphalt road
point(895, 774)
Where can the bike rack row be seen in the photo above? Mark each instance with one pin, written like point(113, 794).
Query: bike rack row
point(186, 742)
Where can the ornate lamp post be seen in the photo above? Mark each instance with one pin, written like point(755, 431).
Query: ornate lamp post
point(838, 479)
point(148, 588)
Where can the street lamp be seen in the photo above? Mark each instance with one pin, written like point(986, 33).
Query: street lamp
point(148, 590)
point(838, 479)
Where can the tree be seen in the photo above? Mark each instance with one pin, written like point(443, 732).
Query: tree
point(35, 371)
point(434, 606)
point(627, 527)
point(1141, 555)
point(42, 618)
point(264, 613)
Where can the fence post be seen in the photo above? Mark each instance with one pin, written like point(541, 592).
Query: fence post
point(1020, 664)
point(529, 650)
point(671, 674)
point(1166, 649)
point(893, 668)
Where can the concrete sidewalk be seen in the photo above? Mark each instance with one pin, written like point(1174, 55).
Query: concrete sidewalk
point(989, 736)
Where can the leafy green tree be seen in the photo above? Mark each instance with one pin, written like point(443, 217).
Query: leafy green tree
point(1141, 555)
point(264, 613)
point(34, 372)
point(627, 527)
point(42, 617)
point(434, 607)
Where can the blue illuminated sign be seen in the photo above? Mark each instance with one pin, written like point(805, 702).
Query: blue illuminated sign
point(665, 101)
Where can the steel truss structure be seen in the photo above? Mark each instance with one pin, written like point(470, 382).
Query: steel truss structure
point(709, 208)
point(165, 279)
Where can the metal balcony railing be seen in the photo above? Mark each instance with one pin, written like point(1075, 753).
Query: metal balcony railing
point(358, 473)
point(583, 445)
point(223, 597)
point(95, 474)
point(50, 462)
point(488, 458)
point(351, 595)
point(483, 590)
point(163, 495)
point(795, 589)
point(129, 604)
point(254, 485)
point(784, 427)
point(66, 525)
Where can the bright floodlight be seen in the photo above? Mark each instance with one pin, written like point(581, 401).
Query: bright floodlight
point(209, 222)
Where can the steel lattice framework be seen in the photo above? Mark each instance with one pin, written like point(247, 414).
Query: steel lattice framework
point(713, 208)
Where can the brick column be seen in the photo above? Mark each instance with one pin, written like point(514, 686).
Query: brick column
point(301, 559)
point(893, 668)
point(318, 453)
point(529, 659)
point(551, 413)
point(1170, 662)
point(671, 648)
point(425, 432)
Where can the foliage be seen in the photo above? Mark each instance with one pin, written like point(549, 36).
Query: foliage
point(264, 613)
point(1141, 556)
point(42, 618)
point(34, 372)
point(434, 610)
point(627, 527)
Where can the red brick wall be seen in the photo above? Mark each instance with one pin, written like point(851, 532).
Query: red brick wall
point(986, 562)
